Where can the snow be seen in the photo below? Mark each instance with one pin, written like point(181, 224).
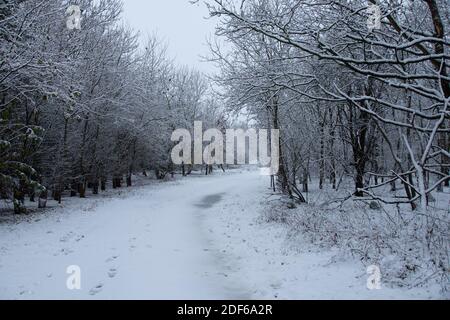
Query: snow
point(196, 238)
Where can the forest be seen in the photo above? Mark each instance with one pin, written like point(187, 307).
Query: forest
point(83, 107)
point(354, 101)
point(363, 112)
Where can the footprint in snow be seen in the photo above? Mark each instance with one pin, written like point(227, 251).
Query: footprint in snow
point(110, 259)
point(26, 292)
point(98, 288)
point(66, 237)
point(112, 272)
point(63, 251)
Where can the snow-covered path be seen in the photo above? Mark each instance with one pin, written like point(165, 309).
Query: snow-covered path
point(148, 246)
point(192, 239)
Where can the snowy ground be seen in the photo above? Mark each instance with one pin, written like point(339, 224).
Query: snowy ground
point(197, 238)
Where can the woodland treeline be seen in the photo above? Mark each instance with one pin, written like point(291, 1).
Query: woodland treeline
point(355, 103)
point(83, 108)
point(372, 104)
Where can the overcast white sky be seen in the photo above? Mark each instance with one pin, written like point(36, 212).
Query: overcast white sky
point(180, 23)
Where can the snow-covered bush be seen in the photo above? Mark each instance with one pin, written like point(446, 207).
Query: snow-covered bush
point(390, 238)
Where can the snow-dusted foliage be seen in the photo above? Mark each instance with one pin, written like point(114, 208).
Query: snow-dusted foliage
point(358, 89)
point(80, 106)
point(369, 104)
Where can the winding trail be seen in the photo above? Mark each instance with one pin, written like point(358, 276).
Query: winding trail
point(152, 245)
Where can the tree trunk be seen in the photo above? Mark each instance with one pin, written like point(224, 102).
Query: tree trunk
point(42, 202)
point(73, 189)
point(32, 196)
point(57, 194)
point(95, 186)
point(18, 201)
point(305, 179)
point(332, 155)
point(359, 181)
point(322, 155)
point(282, 172)
point(82, 189)
point(359, 151)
